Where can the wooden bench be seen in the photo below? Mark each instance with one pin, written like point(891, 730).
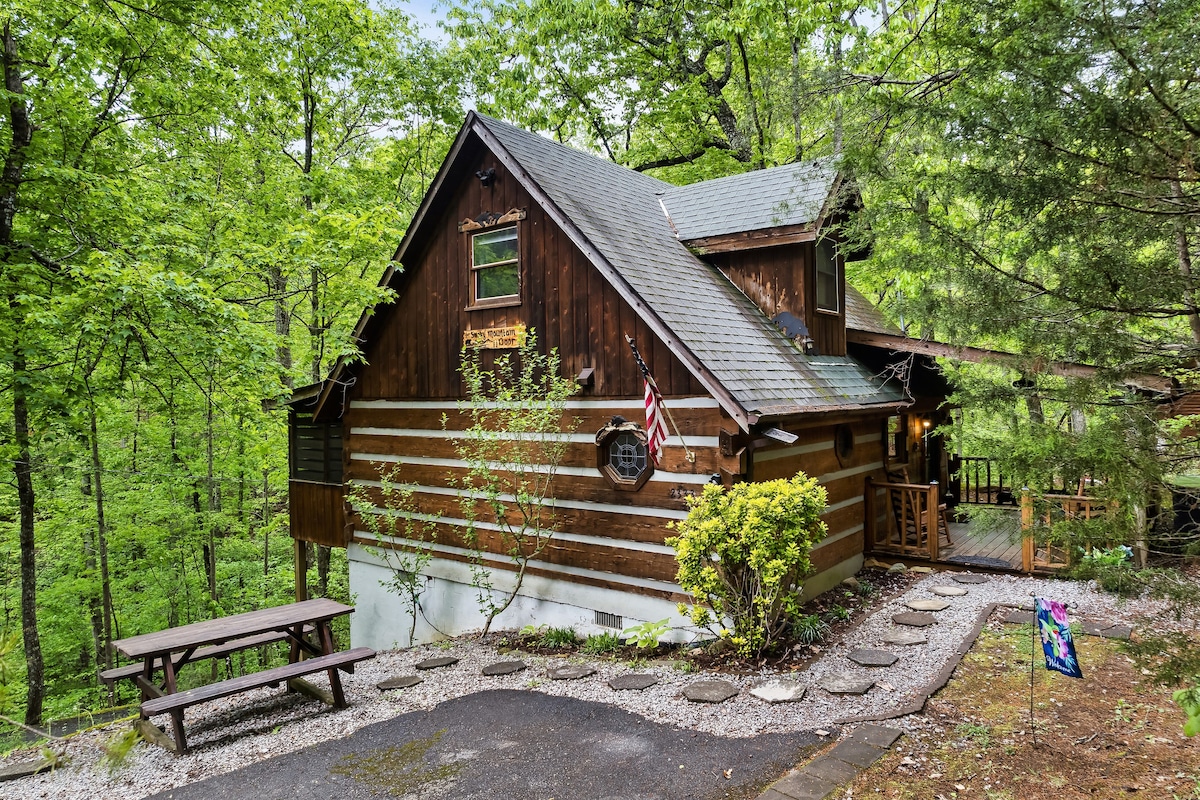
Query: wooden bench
point(174, 704)
point(111, 676)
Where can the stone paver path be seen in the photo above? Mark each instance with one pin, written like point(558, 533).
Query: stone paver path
point(820, 777)
point(905, 638)
point(570, 673)
point(710, 691)
point(504, 667)
point(779, 690)
point(399, 682)
point(635, 681)
point(927, 604)
point(435, 663)
point(948, 591)
point(845, 683)
point(873, 658)
point(915, 619)
point(968, 577)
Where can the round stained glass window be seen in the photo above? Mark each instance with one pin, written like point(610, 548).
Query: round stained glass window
point(627, 456)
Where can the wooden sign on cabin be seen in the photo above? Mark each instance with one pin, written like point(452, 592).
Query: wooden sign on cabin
point(506, 338)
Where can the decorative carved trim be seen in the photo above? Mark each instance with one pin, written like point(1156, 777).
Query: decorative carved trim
point(490, 219)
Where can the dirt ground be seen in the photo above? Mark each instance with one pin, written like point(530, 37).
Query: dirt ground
point(1108, 735)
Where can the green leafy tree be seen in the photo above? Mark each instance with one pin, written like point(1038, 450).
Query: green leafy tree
point(517, 439)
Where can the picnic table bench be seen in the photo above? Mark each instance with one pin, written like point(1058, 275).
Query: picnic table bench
point(171, 649)
point(132, 671)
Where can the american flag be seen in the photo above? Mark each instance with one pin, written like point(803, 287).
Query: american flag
point(656, 424)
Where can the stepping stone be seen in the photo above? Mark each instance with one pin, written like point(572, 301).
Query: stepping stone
point(921, 570)
point(927, 605)
point(904, 638)
point(877, 735)
point(873, 658)
point(636, 681)
point(570, 673)
point(915, 619)
point(845, 683)
point(435, 663)
point(968, 577)
point(1018, 617)
point(1107, 630)
point(779, 690)
point(709, 691)
point(948, 591)
point(400, 682)
point(504, 668)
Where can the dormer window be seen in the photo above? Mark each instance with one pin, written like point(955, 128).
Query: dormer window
point(495, 269)
point(828, 280)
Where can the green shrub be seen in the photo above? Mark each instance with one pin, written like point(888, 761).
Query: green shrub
point(743, 553)
point(646, 634)
point(601, 643)
point(559, 637)
point(809, 629)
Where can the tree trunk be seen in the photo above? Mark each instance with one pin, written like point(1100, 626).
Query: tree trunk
point(102, 544)
point(1184, 254)
point(10, 184)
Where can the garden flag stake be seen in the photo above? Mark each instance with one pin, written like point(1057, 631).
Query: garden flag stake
point(1058, 646)
point(656, 425)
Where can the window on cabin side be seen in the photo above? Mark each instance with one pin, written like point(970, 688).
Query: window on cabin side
point(495, 270)
point(623, 455)
point(827, 278)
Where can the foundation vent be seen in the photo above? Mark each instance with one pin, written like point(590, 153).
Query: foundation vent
point(609, 620)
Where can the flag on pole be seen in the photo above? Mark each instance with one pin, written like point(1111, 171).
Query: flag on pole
point(656, 423)
point(1057, 642)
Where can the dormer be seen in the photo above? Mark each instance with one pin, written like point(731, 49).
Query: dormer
point(775, 234)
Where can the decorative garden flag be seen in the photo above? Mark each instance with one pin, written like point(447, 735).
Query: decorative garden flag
point(1057, 642)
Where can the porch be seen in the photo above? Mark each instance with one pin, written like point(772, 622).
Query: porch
point(912, 521)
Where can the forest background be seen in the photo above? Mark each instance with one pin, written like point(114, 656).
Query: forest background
point(197, 199)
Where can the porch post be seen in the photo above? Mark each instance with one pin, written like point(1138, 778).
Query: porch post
point(1027, 543)
point(932, 501)
point(869, 520)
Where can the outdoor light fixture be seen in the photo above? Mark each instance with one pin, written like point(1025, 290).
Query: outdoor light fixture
point(486, 176)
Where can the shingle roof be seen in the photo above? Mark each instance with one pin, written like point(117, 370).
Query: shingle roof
point(617, 210)
point(794, 194)
point(862, 315)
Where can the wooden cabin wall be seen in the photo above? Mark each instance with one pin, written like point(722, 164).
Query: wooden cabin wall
point(843, 476)
point(781, 279)
point(773, 277)
point(316, 513)
point(604, 536)
point(414, 349)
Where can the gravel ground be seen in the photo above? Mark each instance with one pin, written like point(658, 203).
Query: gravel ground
point(250, 727)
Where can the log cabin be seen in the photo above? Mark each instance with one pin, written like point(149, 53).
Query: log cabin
point(734, 290)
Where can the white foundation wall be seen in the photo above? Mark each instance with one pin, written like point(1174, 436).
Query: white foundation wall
point(449, 606)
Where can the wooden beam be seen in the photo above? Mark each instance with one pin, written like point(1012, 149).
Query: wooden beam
point(1066, 369)
point(753, 240)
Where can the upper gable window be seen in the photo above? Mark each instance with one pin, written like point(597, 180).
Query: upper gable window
point(495, 271)
point(828, 282)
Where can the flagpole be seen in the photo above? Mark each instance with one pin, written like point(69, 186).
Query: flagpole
point(691, 457)
point(1033, 637)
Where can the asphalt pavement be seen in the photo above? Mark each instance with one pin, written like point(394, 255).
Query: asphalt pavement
point(515, 745)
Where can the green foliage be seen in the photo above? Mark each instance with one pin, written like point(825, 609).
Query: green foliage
point(558, 637)
point(646, 634)
point(1189, 701)
point(809, 629)
point(403, 537)
point(518, 437)
point(601, 644)
point(117, 750)
point(1112, 569)
point(743, 553)
point(840, 613)
point(866, 589)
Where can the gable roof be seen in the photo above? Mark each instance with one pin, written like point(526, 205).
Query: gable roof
point(614, 215)
point(863, 315)
point(791, 195)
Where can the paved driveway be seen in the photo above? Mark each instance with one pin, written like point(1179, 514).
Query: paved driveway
point(515, 745)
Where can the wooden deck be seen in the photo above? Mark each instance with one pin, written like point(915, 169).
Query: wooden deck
point(993, 537)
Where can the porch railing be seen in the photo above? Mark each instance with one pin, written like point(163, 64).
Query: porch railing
point(981, 482)
point(1037, 552)
point(910, 518)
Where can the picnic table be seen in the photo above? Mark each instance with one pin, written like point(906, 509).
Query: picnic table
point(171, 649)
